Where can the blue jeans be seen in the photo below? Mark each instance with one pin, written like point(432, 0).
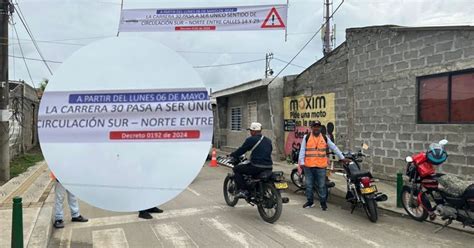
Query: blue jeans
point(61, 192)
point(315, 175)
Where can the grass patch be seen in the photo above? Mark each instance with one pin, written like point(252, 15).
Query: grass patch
point(22, 162)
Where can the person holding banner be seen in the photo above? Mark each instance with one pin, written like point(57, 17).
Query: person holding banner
point(60, 192)
point(314, 159)
point(145, 214)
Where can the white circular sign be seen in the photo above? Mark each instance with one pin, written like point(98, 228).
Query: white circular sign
point(125, 124)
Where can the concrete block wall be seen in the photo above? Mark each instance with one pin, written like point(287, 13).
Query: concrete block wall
point(383, 66)
point(234, 139)
point(328, 75)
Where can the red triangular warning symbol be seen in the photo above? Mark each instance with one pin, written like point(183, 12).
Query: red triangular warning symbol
point(273, 20)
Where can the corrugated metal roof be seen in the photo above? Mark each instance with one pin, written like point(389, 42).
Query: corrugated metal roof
point(242, 87)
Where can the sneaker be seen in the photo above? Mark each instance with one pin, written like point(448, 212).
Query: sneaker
point(324, 206)
point(59, 224)
point(145, 215)
point(154, 210)
point(80, 218)
point(308, 205)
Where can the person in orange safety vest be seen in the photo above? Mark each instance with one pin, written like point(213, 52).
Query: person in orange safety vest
point(314, 159)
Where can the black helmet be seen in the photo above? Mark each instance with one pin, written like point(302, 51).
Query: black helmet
point(436, 154)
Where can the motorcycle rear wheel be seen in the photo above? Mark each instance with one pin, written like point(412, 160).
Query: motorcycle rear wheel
point(417, 212)
point(229, 191)
point(370, 208)
point(297, 180)
point(271, 207)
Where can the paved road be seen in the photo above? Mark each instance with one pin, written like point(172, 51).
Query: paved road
point(199, 218)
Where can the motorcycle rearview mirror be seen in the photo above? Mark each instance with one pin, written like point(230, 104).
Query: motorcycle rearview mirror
point(443, 142)
point(409, 159)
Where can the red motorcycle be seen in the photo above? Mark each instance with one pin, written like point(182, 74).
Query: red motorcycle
point(453, 199)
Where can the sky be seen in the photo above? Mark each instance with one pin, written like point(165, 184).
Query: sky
point(61, 27)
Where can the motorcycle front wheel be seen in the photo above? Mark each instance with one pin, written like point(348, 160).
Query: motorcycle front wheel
point(271, 206)
point(411, 206)
point(297, 180)
point(370, 208)
point(229, 191)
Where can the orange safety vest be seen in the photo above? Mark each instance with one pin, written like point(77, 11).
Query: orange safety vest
point(316, 152)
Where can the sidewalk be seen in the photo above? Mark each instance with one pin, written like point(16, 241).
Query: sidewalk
point(340, 191)
point(34, 187)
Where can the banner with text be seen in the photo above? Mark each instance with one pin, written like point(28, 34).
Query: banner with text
point(300, 111)
point(264, 17)
point(126, 116)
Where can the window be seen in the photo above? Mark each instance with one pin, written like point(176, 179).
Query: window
point(462, 98)
point(252, 108)
point(447, 98)
point(236, 119)
point(434, 99)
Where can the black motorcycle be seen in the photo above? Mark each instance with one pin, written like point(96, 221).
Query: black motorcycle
point(361, 192)
point(264, 191)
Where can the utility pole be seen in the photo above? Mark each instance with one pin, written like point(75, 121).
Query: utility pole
point(328, 33)
point(4, 93)
point(268, 69)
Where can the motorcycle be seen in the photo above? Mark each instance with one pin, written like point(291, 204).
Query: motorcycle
point(264, 191)
point(361, 190)
point(453, 199)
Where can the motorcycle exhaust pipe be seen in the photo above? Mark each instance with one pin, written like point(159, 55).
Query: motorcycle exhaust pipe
point(381, 197)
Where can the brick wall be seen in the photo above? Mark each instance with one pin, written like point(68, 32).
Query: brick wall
point(383, 66)
point(328, 75)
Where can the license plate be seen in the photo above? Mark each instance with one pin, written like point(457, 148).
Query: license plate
point(282, 185)
point(368, 190)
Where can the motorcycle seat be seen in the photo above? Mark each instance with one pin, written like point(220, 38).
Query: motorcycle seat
point(360, 174)
point(265, 174)
point(453, 185)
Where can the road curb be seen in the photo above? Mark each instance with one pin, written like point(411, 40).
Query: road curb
point(342, 196)
point(43, 228)
point(13, 185)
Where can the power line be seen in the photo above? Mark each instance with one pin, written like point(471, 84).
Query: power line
point(281, 60)
point(307, 43)
point(54, 42)
point(209, 52)
point(33, 59)
point(83, 38)
point(28, 30)
point(13, 50)
point(220, 65)
point(22, 54)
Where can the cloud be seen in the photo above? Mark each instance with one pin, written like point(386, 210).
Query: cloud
point(78, 19)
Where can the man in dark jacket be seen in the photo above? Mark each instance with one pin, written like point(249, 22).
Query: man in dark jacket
point(260, 157)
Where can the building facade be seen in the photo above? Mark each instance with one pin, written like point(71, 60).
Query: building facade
point(24, 106)
point(397, 89)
